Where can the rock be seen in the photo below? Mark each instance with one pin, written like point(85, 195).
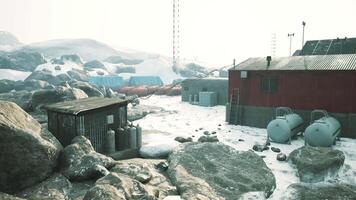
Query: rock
point(80, 188)
point(206, 133)
point(78, 75)
point(302, 191)
point(208, 138)
point(63, 78)
point(81, 162)
point(28, 153)
point(100, 73)
point(57, 187)
point(4, 196)
point(253, 196)
point(274, 149)
point(44, 76)
point(94, 64)
point(281, 157)
point(21, 98)
point(314, 164)
point(58, 68)
point(109, 93)
point(183, 140)
point(118, 186)
point(32, 85)
point(75, 58)
point(6, 85)
point(241, 140)
point(259, 147)
point(155, 180)
point(162, 166)
point(125, 69)
point(60, 94)
point(267, 143)
point(90, 90)
point(140, 111)
point(158, 151)
point(217, 171)
point(119, 59)
point(213, 133)
point(21, 60)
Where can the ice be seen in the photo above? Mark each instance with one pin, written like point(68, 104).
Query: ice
point(183, 119)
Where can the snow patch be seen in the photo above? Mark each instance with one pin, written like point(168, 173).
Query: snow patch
point(14, 75)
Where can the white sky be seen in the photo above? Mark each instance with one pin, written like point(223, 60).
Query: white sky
point(213, 31)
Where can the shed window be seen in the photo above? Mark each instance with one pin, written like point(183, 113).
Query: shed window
point(269, 84)
point(204, 89)
point(186, 88)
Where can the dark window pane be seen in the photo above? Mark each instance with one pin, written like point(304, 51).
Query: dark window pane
point(204, 89)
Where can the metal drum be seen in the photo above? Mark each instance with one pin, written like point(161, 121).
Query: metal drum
point(132, 138)
point(322, 132)
point(286, 125)
point(109, 144)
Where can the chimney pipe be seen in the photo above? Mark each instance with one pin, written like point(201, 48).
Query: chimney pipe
point(269, 59)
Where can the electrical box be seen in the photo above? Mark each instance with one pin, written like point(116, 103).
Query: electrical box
point(243, 74)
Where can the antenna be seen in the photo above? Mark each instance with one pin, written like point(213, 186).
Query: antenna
point(176, 36)
point(290, 35)
point(273, 44)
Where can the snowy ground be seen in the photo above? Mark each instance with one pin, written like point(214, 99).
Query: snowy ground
point(13, 74)
point(183, 119)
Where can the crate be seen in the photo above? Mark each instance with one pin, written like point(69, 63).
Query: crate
point(208, 99)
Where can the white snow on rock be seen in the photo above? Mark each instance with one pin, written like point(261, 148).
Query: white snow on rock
point(14, 75)
point(183, 119)
point(63, 68)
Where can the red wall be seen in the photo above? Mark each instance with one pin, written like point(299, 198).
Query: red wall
point(334, 91)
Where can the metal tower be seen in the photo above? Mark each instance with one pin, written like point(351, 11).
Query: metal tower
point(176, 35)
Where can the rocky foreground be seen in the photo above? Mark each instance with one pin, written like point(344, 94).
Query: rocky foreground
point(34, 165)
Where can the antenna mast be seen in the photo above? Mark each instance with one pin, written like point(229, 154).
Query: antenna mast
point(176, 35)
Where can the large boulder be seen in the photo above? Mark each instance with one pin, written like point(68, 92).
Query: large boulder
point(90, 90)
point(57, 187)
point(81, 162)
point(75, 58)
point(21, 60)
point(21, 98)
point(4, 196)
point(217, 171)
point(118, 187)
point(302, 191)
point(6, 85)
point(78, 75)
point(31, 85)
point(63, 78)
point(157, 151)
point(94, 64)
point(28, 153)
point(44, 76)
point(60, 94)
point(149, 173)
point(315, 164)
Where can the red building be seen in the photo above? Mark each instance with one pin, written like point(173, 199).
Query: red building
point(304, 83)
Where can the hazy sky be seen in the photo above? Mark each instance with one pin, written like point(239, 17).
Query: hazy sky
point(214, 31)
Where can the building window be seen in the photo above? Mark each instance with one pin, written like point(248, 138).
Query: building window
point(186, 88)
point(204, 89)
point(269, 84)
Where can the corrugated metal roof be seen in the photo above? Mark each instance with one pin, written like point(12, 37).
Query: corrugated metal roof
point(82, 105)
point(107, 81)
point(316, 62)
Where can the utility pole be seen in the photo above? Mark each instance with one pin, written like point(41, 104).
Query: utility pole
point(290, 35)
point(303, 23)
point(176, 36)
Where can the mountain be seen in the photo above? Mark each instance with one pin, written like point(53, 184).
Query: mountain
point(8, 40)
point(87, 49)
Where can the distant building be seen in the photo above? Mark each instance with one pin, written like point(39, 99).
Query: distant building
point(91, 117)
point(191, 89)
point(113, 82)
point(329, 47)
point(145, 80)
point(303, 83)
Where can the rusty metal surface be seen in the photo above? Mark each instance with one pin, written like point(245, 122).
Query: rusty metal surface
point(78, 106)
point(316, 62)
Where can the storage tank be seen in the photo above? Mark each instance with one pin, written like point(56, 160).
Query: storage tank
point(286, 125)
point(109, 142)
point(139, 136)
point(322, 132)
point(132, 138)
point(120, 139)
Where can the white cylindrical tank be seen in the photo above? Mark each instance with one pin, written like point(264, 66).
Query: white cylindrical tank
point(109, 142)
point(285, 126)
point(139, 136)
point(132, 138)
point(322, 132)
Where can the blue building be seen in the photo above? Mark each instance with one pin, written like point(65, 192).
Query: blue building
point(113, 82)
point(145, 80)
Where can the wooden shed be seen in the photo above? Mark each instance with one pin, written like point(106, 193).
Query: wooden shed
point(91, 117)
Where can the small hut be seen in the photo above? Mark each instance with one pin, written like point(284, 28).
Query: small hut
point(91, 117)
